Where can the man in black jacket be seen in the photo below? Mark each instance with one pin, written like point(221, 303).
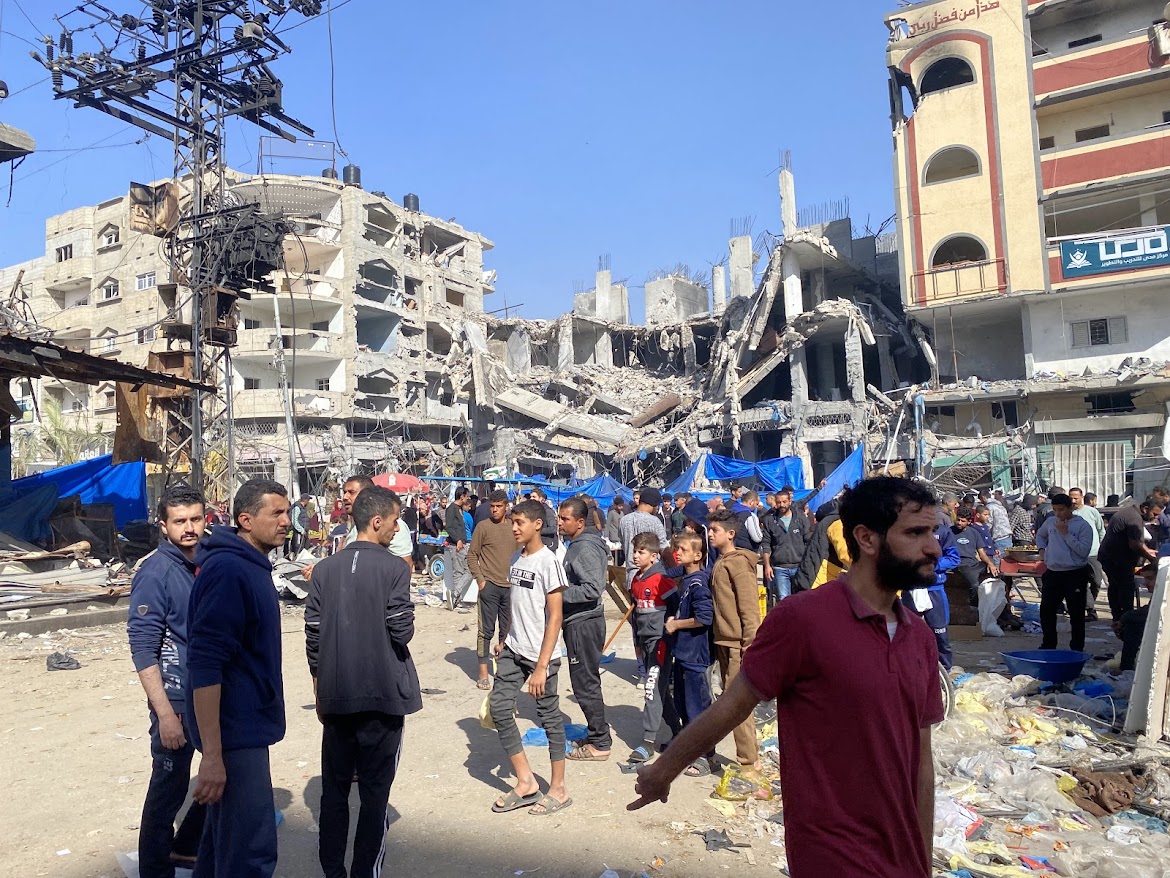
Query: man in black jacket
point(817, 550)
point(359, 620)
point(456, 575)
point(783, 545)
point(586, 568)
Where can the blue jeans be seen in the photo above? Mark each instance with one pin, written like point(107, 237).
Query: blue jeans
point(169, 778)
point(781, 585)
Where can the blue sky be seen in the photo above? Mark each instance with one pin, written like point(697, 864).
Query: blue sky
point(562, 132)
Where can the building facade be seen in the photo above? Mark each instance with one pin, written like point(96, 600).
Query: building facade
point(367, 317)
point(1033, 204)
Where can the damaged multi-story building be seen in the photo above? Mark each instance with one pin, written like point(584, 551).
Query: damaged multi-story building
point(367, 315)
point(792, 361)
point(1033, 205)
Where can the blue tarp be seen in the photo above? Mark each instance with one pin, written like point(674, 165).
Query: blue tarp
point(97, 481)
point(603, 489)
point(772, 474)
point(683, 483)
point(849, 473)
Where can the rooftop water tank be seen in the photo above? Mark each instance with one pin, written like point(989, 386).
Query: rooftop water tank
point(410, 202)
point(329, 173)
point(351, 175)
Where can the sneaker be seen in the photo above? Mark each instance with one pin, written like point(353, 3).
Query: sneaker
point(642, 682)
point(463, 608)
point(1091, 614)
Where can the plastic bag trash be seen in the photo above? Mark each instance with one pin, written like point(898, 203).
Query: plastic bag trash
point(59, 661)
point(717, 840)
point(607, 658)
point(954, 823)
point(1145, 821)
point(1093, 688)
point(1120, 833)
point(992, 600)
point(537, 737)
point(985, 767)
point(609, 873)
point(738, 786)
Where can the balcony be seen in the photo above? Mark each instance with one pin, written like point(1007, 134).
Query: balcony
point(1098, 67)
point(256, 344)
point(959, 280)
point(268, 403)
point(72, 274)
point(1144, 154)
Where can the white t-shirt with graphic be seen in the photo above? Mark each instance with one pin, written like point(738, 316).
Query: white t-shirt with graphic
point(533, 578)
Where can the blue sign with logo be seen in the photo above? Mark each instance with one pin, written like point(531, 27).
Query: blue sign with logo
point(1139, 249)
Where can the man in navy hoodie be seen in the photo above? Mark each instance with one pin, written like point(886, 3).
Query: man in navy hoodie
point(236, 706)
point(157, 629)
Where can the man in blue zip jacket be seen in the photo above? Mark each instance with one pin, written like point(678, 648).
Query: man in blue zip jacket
point(236, 705)
point(157, 630)
point(931, 603)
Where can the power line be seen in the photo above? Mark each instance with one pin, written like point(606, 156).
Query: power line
point(26, 18)
point(333, 80)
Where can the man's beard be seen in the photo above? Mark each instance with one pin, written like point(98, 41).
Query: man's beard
point(895, 573)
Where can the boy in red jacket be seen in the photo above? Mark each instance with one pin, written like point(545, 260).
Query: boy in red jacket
point(655, 598)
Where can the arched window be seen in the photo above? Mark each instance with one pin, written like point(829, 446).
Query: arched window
point(959, 249)
point(951, 163)
point(946, 73)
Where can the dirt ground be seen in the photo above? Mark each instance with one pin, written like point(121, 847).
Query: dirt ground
point(76, 765)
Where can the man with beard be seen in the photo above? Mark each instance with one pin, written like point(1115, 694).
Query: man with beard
point(855, 678)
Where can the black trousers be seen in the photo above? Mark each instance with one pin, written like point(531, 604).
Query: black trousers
point(1122, 587)
point(370, 744)
point(1133, 628)
point(239, 837)
point(169, 778)
point(493, 609)
point(1070, 587)
point(583, 641)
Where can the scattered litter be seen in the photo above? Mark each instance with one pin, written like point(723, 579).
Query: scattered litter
point(302, 763)
point(59, 661)
point(125, 780)
point(434, 691)
point(468, 628)
point(107, 698)
point(609, 873)
point(739, 786)
point(59, 611)
point(607, 658)
point(717, 840)
point(436, 777)
point(64, 852)
point(727, 809)
point(537, 737)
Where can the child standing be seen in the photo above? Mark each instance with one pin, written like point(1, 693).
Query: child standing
point(530, 651)
point(688, 638)
point(735, 592)
point(655, 597)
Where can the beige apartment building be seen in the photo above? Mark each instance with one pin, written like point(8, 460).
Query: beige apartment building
point(1032, 180)
point(370, 304)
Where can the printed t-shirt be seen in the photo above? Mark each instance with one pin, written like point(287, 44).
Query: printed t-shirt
point(533, 578)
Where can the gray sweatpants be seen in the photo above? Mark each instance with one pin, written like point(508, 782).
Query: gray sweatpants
point(512, 672)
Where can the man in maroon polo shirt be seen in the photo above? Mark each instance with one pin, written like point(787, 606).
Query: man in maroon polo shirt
point(855, 676)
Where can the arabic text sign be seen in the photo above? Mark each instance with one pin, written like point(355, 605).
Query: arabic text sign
point(1143, 249)
point(959, 13)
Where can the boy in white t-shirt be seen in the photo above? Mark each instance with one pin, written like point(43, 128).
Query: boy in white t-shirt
point(530, 651)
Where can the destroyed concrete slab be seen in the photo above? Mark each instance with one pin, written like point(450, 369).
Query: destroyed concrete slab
point(662, 407)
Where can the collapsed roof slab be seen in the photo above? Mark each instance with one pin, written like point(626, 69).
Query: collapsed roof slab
point(538, 408)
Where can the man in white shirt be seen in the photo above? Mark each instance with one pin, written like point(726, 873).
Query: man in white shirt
point(1081, 509)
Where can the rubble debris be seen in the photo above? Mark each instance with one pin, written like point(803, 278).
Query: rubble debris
point(59, 661)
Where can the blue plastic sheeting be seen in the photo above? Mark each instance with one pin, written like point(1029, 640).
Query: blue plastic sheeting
point(97, 481)
point(26, 516)
point(849, 473)
point(683, 483)
point(773, 474)
point(603, 489)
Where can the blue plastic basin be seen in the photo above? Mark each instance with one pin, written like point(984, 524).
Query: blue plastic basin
point(1050, 665)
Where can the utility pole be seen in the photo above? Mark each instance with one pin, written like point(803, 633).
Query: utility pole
point(180, 71)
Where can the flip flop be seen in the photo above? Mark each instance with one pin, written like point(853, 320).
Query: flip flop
point(550, 805)
point(699, 768)
point(514, 802)
point(484, 685)
point(587, 753)
point(638, 756)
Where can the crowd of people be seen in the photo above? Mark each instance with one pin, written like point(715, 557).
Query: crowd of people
point(839, 646)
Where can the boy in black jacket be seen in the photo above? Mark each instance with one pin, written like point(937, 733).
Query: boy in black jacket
point(359, 619)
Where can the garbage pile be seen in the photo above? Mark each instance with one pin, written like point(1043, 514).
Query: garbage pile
point(1031, 777)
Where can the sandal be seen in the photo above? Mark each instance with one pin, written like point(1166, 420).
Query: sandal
point(638, 755)
point(484, 685)
point(587, 753)
point(514, 802)
point(550, 806)
point(699, 768)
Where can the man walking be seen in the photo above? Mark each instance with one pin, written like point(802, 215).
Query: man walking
point(359, 621)
point(1001, 526)
point(1064, 541)
point(643, 519)
point(782, 546)
point(455, 573)
point(489, 559)
point(1123, 548)
point(300, 525)
point(236, 706)
point(157, 629)
point(586, 565)
point(855, 678)
point(1082, 509)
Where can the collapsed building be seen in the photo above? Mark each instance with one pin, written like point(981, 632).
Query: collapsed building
point(795, 365)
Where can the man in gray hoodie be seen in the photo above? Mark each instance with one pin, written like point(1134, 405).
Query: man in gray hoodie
point(586, 566)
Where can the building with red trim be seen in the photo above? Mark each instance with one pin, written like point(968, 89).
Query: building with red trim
point(1032, 175)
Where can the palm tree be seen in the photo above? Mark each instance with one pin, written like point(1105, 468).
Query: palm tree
point(62, 438)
